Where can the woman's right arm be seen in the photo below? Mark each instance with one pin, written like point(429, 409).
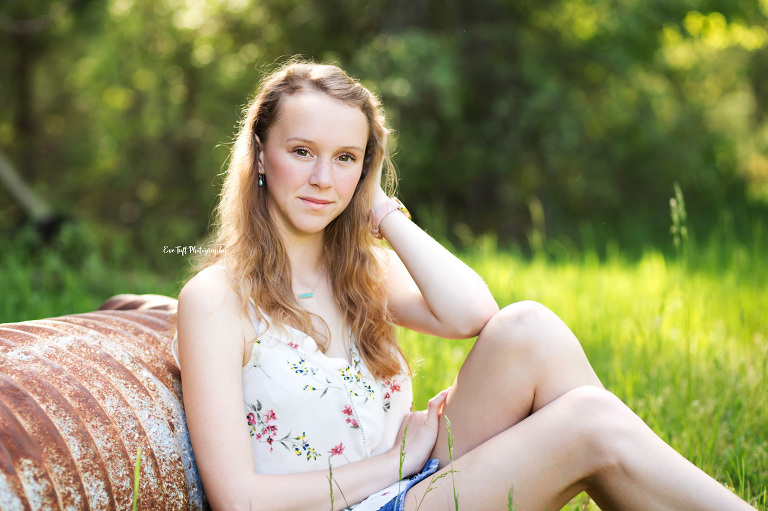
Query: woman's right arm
point(212, 337)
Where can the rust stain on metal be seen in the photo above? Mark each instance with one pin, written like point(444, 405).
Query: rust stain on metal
point(78, 395)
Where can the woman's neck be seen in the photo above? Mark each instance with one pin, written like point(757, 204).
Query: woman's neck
point(306, 257)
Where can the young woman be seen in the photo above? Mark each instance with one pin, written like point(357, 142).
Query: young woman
point(292, 372)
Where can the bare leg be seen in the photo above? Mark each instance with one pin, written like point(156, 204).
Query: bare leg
point(528, 412)
point(524, 358)
point(588, 440)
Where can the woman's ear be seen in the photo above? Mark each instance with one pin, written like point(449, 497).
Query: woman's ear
point(259, 149)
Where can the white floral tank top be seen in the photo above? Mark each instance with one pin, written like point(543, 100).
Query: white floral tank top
point(305, 410)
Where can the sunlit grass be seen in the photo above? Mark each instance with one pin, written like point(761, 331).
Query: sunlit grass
point(685, 348)
point(683, 343)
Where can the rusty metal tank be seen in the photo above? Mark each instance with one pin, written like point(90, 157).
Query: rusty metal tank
point(79, 395)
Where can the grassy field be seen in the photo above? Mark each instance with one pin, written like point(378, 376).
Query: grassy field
point(685, 347)
point(683, 341)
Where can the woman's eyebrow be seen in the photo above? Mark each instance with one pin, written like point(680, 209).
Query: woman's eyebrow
point(308, 141)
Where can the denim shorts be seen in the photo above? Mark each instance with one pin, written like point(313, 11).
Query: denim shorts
point(398, 503)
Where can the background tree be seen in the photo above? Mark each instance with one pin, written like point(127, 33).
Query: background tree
point(567, 119)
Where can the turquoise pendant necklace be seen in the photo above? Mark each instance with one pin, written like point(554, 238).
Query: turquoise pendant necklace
point(312, 293)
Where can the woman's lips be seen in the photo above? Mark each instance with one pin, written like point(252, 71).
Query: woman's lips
point(316, 204)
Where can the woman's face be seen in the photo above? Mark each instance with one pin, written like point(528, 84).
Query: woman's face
point(313, 160)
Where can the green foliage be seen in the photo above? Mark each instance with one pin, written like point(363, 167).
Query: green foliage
point(76, 273)
point(578, 113)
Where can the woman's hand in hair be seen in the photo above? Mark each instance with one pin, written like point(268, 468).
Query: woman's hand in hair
point(378, 198)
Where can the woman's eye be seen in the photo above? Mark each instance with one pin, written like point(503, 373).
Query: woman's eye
point(301, 151)
point(346, 157)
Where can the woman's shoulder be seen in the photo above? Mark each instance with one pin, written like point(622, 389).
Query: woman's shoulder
point(211, 316)
point(211, 289)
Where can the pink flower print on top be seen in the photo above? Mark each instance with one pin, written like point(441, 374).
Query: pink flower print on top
point(338, 450)
point(351, 420)
point(262, 428)
point(293, 345)
point(388, 388)
point(260, 424)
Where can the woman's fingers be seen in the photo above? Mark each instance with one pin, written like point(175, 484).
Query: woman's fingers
point(440, 397)
point(422, 432)
point(435, 404)
point(426, 417)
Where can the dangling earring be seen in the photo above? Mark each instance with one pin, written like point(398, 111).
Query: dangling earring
point(262, 179)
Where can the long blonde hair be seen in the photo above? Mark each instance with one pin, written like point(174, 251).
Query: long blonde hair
point(253, 249)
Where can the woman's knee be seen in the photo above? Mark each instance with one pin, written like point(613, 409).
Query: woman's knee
point(518, 319)
point(527, 326)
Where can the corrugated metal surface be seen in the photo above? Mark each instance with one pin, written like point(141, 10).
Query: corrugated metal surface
point(78, 395)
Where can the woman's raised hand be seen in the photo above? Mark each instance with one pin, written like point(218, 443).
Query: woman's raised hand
point(421, 435)
point(378, 197)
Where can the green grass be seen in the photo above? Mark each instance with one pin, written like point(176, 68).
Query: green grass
point(683, 342)
point(684, 345)
point(136, 475)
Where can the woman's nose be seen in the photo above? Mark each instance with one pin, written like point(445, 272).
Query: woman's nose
point(321, 174)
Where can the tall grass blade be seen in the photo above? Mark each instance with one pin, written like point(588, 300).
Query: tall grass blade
point(450, 455)
point(136, 473)
point(330, 480)
point(400, 469)
point(511, 506)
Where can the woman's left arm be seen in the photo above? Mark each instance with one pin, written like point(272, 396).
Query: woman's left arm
point(429, 289)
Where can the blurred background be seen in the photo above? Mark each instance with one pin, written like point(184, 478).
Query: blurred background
point(608, 158)
point(554, 125)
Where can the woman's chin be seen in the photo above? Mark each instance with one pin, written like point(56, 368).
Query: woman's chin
point(311, 228)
